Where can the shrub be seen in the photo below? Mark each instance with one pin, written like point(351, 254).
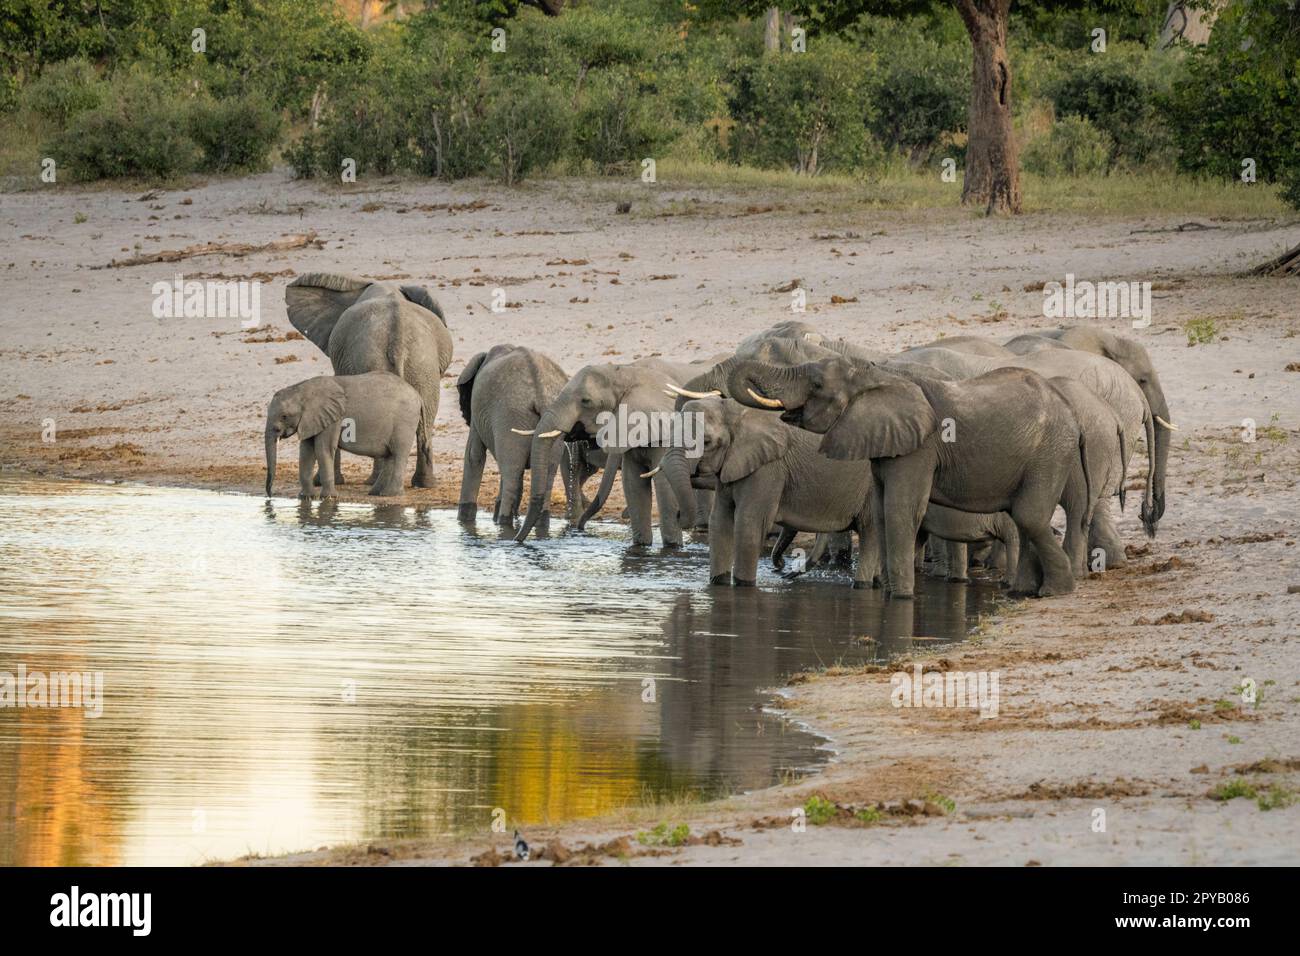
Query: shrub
point(234, 134)
point(64, 90)
point(142, 129)
point(801, 111)
point(1074, 147)
point(525, 128)
point(617, 124)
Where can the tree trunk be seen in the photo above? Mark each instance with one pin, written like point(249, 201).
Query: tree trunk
point(1183, 23)
point(1287, 264)
point(772, 31)
point(992, 160)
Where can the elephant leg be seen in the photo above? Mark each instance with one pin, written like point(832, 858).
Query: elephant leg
point(511, 493)
point(424, 447)
point(703, 508)
point(338, 468)
point(867, 572)
point(722, 543)
point(325, 464)
point(389, 482)
point(906, 492)
point(782, 545)
point(637, 491)
point(306, 465)
point(471, 477)
point(821, 541)
point(670, 529)
point(1034, 522)
point(955, 553)
point(1075, 502)
point(1006, 548)
point(753, 517)
point(1105, 536)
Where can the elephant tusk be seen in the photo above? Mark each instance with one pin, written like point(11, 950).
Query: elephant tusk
point(1170, 425)
point(553, 434)
point(652, 472)
point(766, 402)
point(670, 394)
point(689, 394)
point(522, 431)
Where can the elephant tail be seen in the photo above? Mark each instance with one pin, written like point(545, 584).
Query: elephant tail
point(465, 384)
point(1150, 516)
point(1087, 480)
point(1123, 458)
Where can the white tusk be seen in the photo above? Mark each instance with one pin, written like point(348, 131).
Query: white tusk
point(689, 394)
point(551, 434)
point(520, 431)
point(1172, 427)
point(652, 472)
point(670, 394)
point(767, 402)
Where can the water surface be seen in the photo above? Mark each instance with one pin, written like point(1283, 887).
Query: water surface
point(280, 676)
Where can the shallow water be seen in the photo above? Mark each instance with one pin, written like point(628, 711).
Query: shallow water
point(279, 676)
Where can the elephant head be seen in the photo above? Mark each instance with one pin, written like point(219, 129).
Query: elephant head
point(735, 441)
point(577, 414)
point(864, 412)
point(317, 300)
point(305, 410)
point(1133, 358)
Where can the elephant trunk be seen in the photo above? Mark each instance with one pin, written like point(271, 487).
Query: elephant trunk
point(612, 463)
point(679, 472)
point(1160, 459)
point(715, 379)
point(272, 441)
point(544, 462)
point(1151, 506)
point(758, 385)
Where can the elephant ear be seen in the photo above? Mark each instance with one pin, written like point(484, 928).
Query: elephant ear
point(756, 439)
point(323, 403)
point(422, 297)
point(888, 418)
point(316, 301)
point(465, 384)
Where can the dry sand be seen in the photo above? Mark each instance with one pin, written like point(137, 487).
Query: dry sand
point(1099, 710)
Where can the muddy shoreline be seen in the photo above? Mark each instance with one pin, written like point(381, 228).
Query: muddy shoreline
point(1123, 697)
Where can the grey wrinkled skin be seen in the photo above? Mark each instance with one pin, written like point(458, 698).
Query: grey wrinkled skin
point(366, 326)
point(767, 472)
point(375, 415)
point(1016, 440)
point(506, 388)
point(1105, 379)
point(598, 389)
point(956, 530)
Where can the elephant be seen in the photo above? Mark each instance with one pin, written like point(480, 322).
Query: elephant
point(1004, 441)
point(502, 393)
point(375, 414)
point(366, 326)
point(1103, 378)
point(579, 411)
point(960, 529)
point(767, 471)
point(1132, 357)
point(803, 331)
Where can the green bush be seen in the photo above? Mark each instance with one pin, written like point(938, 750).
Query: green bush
point(64, 90)
point(142, 129)
point(618, 124)
point(236, 133)
point(801, 111)
point(1073, 148)
point(525, 128)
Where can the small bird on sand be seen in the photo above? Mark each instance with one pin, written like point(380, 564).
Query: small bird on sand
point(521, 848)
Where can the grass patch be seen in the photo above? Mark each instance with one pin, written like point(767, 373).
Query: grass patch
point(1201, 331)
point(1276, 797)
point(663, 835)
point(1232, 789)
point(818, 810)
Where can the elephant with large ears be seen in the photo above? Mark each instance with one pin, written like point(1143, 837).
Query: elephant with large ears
point(375, 415)
point(767, 472)
point(578, 413)
point(366, 326)
point(1133, 358)
point(503, 392)
point(1005, 441)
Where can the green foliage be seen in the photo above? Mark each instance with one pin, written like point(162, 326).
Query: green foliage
point(663, 835)
point(1074, 147)
point(801, 111)
point(234, 134)
point(64, 90)
point(525, 128)
point(617, 125)
point(818, 810)
point(1201, 331)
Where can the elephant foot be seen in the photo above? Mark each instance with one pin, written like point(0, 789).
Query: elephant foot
point(861, 586)
point(304, 496)
point(901, 596)
point(422, 481)
point(675, 545)
point(1055, 590)
point(741, 583)
point(378, 492)
point(955, 579)
point(723, 579)
point(467, 511)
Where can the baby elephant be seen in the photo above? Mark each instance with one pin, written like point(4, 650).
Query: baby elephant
point(375, 414)
point(767, 472)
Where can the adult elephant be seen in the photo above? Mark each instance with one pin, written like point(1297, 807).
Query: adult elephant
point(1005, 441)
point(503, 391)
point(578, 413)
point(366, 326)
point(1133, 358)
point(1105, 379)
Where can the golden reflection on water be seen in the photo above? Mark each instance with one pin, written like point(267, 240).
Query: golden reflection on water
point(279, 676)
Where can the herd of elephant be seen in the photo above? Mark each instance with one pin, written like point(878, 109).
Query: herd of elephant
point(965, 446)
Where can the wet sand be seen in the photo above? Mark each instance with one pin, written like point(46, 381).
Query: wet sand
point(1098, 709)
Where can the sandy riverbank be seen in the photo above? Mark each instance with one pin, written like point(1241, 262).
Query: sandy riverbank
point(1097, 708)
